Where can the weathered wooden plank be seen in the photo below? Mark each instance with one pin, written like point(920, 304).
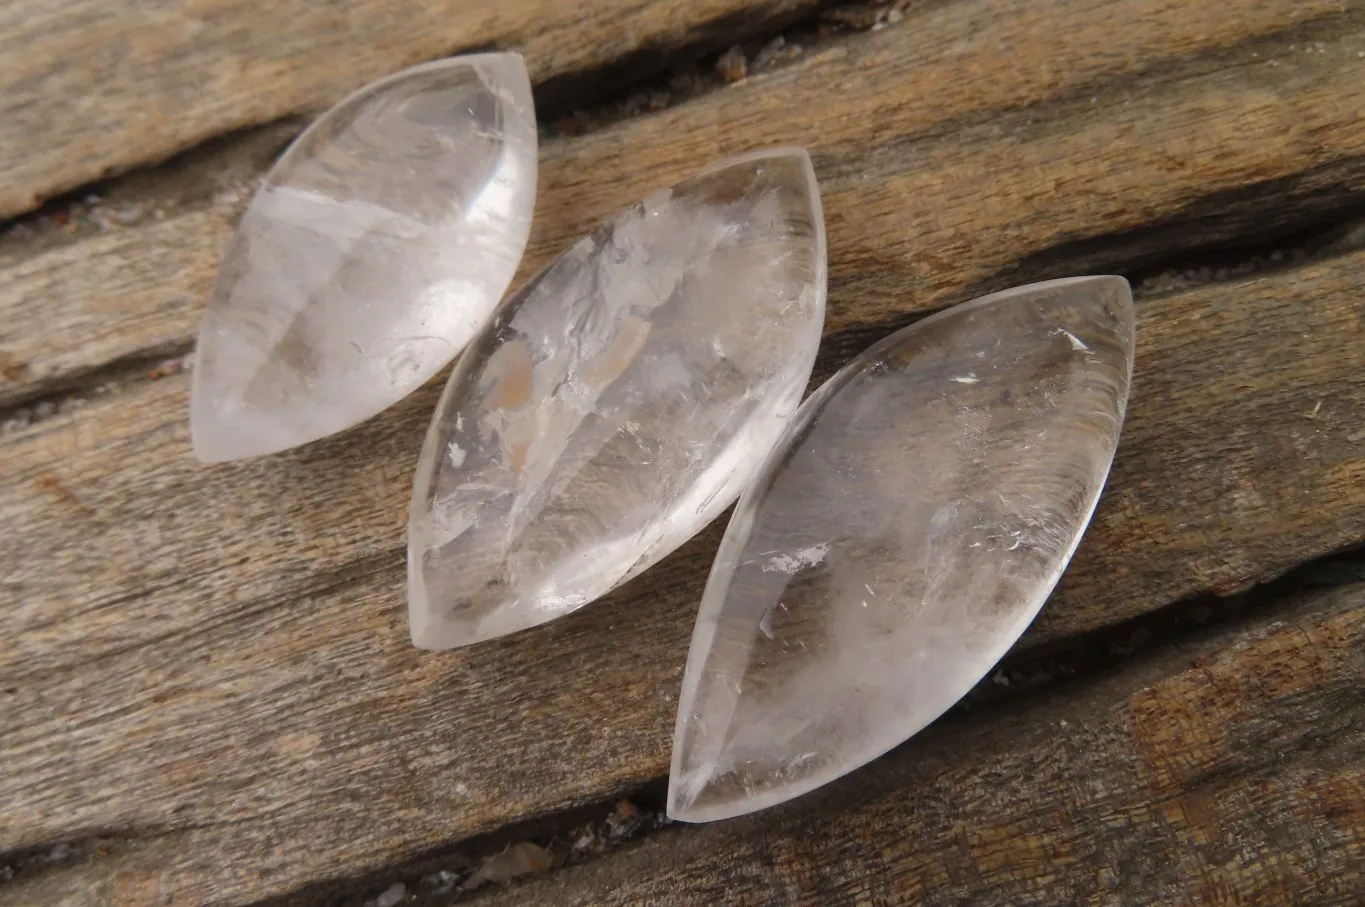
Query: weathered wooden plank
point(1230, 771)
point(1136, 116)
point(211, 664)
point(214, 662)
point(89, 88)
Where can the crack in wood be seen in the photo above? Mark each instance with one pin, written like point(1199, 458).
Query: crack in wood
point(1217, 241)
point(1217, 222)
point(647, 80)
point(1207, 251)
point(1203, 496)
point(1055, 669)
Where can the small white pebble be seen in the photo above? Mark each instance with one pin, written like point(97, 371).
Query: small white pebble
point(443, 882)
point(126, 215)
point(392, 896)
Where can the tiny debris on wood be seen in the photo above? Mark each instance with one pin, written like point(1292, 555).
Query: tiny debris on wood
point(776, 51)
point(170, 367)
point(872, 16)
point(733, 66)
point(12, 368)
point(392, 896)
point(469, 872)
point(519, 859)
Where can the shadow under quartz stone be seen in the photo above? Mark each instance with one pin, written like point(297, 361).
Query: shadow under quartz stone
point(620, 402)
point(918, 514)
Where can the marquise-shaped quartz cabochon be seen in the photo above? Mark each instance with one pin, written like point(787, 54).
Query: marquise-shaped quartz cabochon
point(379, 244)
point(618, 402)
point(901, 536)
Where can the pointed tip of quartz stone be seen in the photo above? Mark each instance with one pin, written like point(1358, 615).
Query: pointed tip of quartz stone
point(509, 65)
point(434, 633)
point(795, 152)
point(1108, 289)
point(430, 634)
point(419, 626)
point(799, 160)
point(682, 808)
point(1110, 286)
point(694, 795)
point(215, 439)
point(790, 154)
point(220, 435)
point(435, 636)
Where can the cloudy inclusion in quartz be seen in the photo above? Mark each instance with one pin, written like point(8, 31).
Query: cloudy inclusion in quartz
point(619, 402)
point(899, 539)
point(375, 249)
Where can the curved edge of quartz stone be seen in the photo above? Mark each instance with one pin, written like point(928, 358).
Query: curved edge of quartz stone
point(688, 782)
point(425, 632)
point(221, 431)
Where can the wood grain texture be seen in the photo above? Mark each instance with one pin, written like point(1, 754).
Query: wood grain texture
point(89, 87)
point(211, 665)
point(949, 147)
point(215, 664)
point(1227, 772)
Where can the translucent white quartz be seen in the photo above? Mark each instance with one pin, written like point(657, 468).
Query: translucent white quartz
point(618, 402)
point(375, 249)
point(899, 539)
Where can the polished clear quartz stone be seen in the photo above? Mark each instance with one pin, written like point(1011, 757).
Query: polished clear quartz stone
point(619, 402)
point(902, 535)
point(378, 245)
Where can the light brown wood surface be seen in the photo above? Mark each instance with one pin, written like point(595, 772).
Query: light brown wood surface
point(92, 87)
point(1226, 771)
point(919, 130)
point(206, 685)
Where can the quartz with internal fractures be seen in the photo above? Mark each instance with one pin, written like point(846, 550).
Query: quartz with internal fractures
point(619, 402)
point(899, 539)
point(375, 249)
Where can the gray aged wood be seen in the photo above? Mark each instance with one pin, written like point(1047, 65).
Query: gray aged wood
point(209, 666)
point(91, 88)
point(1230, 771)
point(242, 675)
point(938, 171)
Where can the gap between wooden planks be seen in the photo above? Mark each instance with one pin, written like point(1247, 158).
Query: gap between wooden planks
point(943, 161)
point(89, 88)
point(1227, 770)
point(214, 663)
